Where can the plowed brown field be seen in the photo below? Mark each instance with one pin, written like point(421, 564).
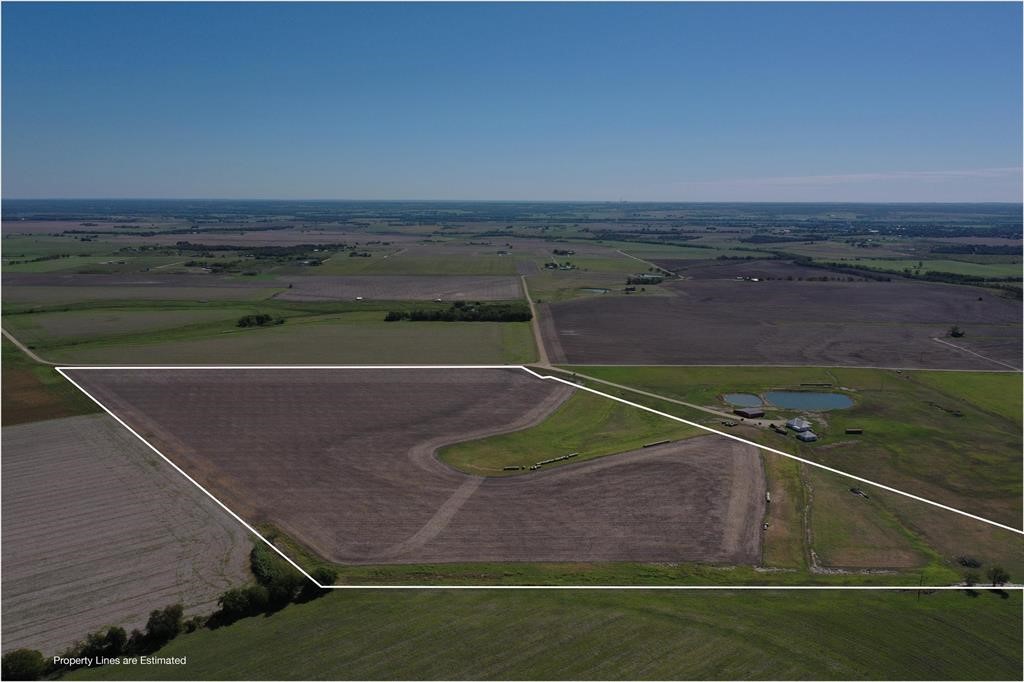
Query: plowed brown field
point(344, 461)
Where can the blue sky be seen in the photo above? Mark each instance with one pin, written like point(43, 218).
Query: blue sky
point(689, 102)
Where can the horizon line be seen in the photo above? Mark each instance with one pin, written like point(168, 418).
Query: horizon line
point(532, 201)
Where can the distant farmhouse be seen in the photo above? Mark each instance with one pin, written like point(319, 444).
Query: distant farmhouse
point(799, 424)
point(749, 412)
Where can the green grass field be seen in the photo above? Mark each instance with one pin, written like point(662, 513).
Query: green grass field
point(57, 328)
point(22, 247)
point(590, 425)
point(127, 332)
point(406, 263)
point(673, 252)
point(608, 635)
point(908, 443)
point(617, 573)
point(33, 392)
point(911, 439)
point(952, 266)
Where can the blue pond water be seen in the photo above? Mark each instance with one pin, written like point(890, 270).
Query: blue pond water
point(808, 400)
point(742, 399)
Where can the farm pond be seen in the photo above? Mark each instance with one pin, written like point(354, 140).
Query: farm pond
point(791, 400)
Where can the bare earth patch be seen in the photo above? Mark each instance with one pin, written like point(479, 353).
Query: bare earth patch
point(345, 462)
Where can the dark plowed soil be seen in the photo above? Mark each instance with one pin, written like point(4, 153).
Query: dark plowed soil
point(344, 460)
point(731, 269)
point(402, 288)
point(56, 279)
point(728, 322)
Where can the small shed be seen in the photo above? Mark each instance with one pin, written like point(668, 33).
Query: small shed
point(807, 436)
point(749, 412)
point(798, 424)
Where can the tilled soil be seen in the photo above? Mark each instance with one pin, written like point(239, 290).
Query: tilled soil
point(401, 288)
point(345, 462)
point(729, 322)
point(98, 531)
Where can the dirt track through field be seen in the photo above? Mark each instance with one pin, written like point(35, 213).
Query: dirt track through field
point(345, 462)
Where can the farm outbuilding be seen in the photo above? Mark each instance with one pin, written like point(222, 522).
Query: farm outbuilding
point(798, 424)
point(749, 412)
point(807, 436)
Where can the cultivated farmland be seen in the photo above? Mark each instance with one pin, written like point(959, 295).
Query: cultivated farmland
point(99, 531)
point(402, 288)
point(719, 322)
point(344, 461)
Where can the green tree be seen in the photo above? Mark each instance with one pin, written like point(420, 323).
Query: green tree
point(998, 575)
point(23, 664)
point(164, 625)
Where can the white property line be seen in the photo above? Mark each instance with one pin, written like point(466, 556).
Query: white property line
point(983, 357)
point(182, 472)
point(777, 452)
point(909, 588)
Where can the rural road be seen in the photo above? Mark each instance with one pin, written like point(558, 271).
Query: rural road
point(24, 349)
point(542, 353)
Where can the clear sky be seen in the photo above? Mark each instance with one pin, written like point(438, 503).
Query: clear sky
point(689, 102)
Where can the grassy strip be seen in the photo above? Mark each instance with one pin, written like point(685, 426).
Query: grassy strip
point(608, 635)
point(953, 437)
point(34, 392)
point(586, 424)
point(931, 538)
point(338, 332)
point(584, 573)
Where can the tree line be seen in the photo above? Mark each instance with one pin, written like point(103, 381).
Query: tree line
point(460, 311)
point(277, 585)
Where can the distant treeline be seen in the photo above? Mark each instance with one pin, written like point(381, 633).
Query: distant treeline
point(460, 311)
point(185, 230)
point(929, 275)
point(264, 251)
point(978, 249)
point(647, 236)
point(259, 320)
point(779, 238)
point(1011, 231)
point(55, 256)
point(866, 273)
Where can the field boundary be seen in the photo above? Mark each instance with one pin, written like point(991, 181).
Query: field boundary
point(63, 372)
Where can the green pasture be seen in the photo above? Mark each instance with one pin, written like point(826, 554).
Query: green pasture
point(955, 267)
point(417, 263)
point(585, 423)
point(911, 441)
point(156, 332)
point(34, 392)
point(439, 634)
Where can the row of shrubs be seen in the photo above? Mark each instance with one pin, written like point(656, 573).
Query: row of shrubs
point(259, 320)
point(277, 585)
point(113, 642)
point(460, 311)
